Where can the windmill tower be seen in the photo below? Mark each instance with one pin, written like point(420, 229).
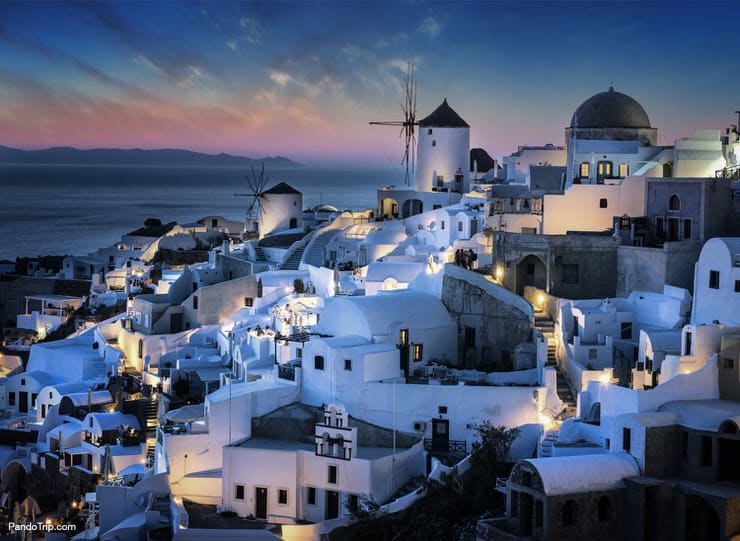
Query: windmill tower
point(255, 211)
point(408, 124)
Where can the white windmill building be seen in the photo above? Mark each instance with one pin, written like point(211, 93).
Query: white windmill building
point(276, 209)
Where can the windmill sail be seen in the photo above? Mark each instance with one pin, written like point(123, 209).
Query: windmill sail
point(408, 124)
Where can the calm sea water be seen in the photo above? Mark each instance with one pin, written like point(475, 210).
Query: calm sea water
point(71, 209)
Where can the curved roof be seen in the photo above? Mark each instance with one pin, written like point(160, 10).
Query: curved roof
point(584, 473)
point(610, 109)
point(378, 315)
point(443, 116)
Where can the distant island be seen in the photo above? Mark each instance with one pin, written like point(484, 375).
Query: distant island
point(135, 156)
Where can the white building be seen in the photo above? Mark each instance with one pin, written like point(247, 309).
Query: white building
point(290, 480)
point(717, 283)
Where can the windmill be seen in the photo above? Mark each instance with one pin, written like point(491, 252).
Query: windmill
point(256, 184)
point(409, 122)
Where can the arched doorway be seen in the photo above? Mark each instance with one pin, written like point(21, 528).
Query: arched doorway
point(293, 223)
point(702, 520)
point(530, 271)
point(14, 480)
point(412, 207)
point(389, 208)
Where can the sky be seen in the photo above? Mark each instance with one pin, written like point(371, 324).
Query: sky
point(303, 79)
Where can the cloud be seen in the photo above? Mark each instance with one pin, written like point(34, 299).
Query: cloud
point(280, 77)
point(252, 29)
point(430, 27)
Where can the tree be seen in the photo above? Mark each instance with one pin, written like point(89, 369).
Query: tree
point(494, 441)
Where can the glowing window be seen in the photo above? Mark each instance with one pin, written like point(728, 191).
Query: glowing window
point(584, 170)
point(623, 171)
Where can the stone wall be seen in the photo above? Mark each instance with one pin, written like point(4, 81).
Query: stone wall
point(648, 269)
point(500, 319)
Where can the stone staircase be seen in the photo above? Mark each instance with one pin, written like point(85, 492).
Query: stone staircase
point(546, 326)
point(315, 254)
point(259, 253)
point(549, 441)
point(294, 260)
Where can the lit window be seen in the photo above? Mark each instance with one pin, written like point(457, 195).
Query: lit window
point(418, 348)
point(623, 170)
point(403, 337)
point(584, 170)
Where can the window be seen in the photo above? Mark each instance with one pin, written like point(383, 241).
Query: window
point(403, 337)
point(584, 170)
point(737, 286)
point(728, 363)
point(687, 229)
point(608, 444)
point(570, 273)
point(311, 495)
point(706, 451)
point(249, 302)
point(442, 410)
point(282, 496)
point(332, 477)
point(23, 382)
point(626, 439)
point(11, 399)
point(529, 230)
point(440, 181)
point(624, 222)
point(713, 279)
point(593, 354)
point(434, 142)
point(195, 302)
point(348, 364)
point(459, 226)
point(442, 225)
point(684, 445)
point(626, 332)
point(470, 336)
point(623, 170)
point(418, 350)
point(674, 203)
point(603, 203)
point(239, 492)
point(299, 353)
point(50, 395)
point(318, 362)
point(569, 513)
point(429, 131)
point(604, 508)
point(604, 169)
point(33, 400)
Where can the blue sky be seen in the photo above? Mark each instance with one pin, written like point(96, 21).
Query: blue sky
point(303, 79)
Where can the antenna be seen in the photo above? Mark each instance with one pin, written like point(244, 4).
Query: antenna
point(256, 184)
point(408, 124)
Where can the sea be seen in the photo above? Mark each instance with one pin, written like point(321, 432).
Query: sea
point(76, 209)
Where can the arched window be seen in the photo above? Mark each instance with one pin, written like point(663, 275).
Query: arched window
point(605, 508)
point(570, 510)
point(584, 170)
point(674, 203)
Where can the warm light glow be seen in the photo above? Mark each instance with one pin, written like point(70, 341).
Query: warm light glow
point(499, 273)
point(541, 299)
point(605, 378)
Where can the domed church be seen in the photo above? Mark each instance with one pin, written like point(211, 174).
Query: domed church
point(610, 137)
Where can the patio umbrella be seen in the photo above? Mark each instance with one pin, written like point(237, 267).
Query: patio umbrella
point(107, 469)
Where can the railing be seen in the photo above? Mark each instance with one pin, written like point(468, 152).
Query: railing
point(286, 372)
point(445, 446)
point(732, 172)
